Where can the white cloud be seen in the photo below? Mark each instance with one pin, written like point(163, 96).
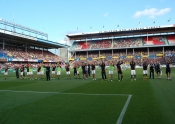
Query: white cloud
point(152, 12)
point(106, 14)
point(62, 41)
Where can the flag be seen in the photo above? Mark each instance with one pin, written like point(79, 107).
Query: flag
point(117, 25)
point(154, 22)
point(90, 27)
point(103, 26)
point(77, 28)
point(139, 22)
point(169, 19)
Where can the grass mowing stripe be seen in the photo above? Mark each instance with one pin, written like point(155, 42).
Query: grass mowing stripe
point(119, 121)
point(152, 100)
point(64, 93)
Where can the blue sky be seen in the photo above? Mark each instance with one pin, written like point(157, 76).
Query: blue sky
point(61, 17)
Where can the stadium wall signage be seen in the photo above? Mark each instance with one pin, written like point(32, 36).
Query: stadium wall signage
point(131, 29)
point(3, 60)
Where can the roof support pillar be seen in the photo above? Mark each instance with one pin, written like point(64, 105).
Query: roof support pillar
point(133, 52)
point(26, 47)
point(112, 52)
point(99, 53)
point(3, 44)
point(112, 42)
point(42, 50)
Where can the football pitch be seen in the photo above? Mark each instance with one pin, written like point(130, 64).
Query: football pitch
point(78, 101)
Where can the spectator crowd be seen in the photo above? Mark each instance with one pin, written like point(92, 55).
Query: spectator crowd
point(14, 53)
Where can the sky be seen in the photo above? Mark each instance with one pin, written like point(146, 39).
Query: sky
point(61, 17)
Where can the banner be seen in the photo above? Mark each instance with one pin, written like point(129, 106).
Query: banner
point(3, 60)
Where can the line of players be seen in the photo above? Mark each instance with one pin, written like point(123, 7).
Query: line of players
point(41, 69)
point(152, 67)
point(155, 67)
point(85, 68)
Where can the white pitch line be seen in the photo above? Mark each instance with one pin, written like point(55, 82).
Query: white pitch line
point(16, 91)
point(119, 121)
point(96, 94)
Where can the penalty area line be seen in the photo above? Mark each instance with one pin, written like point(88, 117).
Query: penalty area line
point(40, 92)
point(119, 121)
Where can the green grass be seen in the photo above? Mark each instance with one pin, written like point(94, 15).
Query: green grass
point(79, 101)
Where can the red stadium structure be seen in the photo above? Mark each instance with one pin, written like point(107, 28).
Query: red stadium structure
point(139, 43)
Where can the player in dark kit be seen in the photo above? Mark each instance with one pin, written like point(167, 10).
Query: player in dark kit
point(151, 68)
point(119, 70)
point(84, 70)
point(47, 72)
point(158, 70)
point(93, 71)
point(75, 71)
point(17, 72)
point(145, 72)
point(168, 70)
point(28, 75)
point(133, 72)
point(103, 71)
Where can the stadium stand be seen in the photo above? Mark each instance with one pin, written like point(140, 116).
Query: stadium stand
point(139, 55)
point(127, 42)
point(91, 45)
point(125, 45)
point(171, 39)
point(101, 44)
point(170, 55)
point(14, 54)
point(156, 40)
point(26, 45)
point(81, 45)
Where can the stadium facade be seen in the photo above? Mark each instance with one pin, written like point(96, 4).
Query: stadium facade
point(147, 42)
